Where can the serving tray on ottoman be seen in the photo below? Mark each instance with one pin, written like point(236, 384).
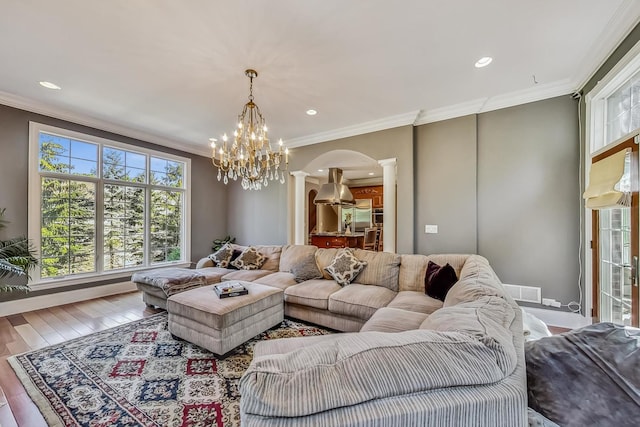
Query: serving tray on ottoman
point(221, 324)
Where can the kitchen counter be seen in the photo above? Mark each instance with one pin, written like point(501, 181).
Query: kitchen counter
point(330, 234)
point(338, 240)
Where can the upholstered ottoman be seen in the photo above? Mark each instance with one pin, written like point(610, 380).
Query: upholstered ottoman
point(221, 324)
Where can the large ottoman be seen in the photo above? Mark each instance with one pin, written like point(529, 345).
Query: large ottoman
point(221, 324)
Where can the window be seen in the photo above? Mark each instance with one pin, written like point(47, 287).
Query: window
point(99, 206)
point(613, 105)
point(623, 110)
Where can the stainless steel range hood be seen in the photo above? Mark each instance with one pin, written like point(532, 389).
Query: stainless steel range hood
point(334, 192)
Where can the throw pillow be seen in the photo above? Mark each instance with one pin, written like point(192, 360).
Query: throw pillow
point(306, 269)
point(234, 256)
point(249, 259)
point(222, 256)
point(345, 267)
point(439, 280)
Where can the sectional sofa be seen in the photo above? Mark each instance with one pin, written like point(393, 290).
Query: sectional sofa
point(405, 358)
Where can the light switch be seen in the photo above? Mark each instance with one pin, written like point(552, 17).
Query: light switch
point(431, 229)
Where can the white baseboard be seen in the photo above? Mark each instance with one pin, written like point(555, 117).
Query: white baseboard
point(45, 301)
point(562, 319)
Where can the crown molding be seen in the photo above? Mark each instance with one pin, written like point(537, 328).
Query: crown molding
point(450, 112)
point(368, 127)
point(625, 19)
point(37, 107)
point(482, 105)
point(535, 93)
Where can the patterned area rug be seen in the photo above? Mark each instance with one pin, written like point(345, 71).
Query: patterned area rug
point(138, 375)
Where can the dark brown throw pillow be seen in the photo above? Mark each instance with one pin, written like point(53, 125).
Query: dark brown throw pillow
point(439, 280)
point(234, 256)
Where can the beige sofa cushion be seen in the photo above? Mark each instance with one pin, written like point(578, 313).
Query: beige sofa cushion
point(477, 279)
point(412, 271)
point(488, 318)
point(359, 301)
point(457, 261)
point(413, 268)
point(273, 253)
point(324, 257)
point(382, 269)
point(415, 301)
point(246, 275)
point(394, 320)
point(214, 274)
point(364, 367)
point(295, 254)
point(312, 293)
point(279, 279)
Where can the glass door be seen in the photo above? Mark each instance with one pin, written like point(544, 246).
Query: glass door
point(615, 291)
point(615, 266)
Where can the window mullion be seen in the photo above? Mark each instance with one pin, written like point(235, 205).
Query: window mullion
point(99, 251)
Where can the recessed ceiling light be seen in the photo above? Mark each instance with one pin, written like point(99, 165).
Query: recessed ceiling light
point(311, 112)
point(50, 85)
point(484, 61)
point(371, 173)
point(320, 170)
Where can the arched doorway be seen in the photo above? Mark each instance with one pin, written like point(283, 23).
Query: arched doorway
point(356, 166)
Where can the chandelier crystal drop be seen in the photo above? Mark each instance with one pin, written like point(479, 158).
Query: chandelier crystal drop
point(248, 155)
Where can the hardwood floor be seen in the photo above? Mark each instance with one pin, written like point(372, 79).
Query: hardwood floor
point(37, 329)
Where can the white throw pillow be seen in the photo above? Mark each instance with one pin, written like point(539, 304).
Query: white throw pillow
point(345, 267)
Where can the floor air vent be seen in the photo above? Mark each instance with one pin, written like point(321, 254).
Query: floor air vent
point(524, 293)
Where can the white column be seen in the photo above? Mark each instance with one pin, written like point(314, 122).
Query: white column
point(389, 201)
point(299, 200)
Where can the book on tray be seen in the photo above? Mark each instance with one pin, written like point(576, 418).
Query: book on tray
point(230, 289)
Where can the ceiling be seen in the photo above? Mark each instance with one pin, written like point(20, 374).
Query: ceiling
point(173, 72)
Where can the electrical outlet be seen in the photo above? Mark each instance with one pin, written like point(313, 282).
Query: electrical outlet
point(431, 229)
point(548, 301)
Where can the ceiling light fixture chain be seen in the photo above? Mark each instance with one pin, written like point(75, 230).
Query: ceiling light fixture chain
point(249, 155)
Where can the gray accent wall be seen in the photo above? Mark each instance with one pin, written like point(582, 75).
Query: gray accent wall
point(505, 184)
point(445, 165)
point(208, 197)
point(529, 200)
point(258, 217)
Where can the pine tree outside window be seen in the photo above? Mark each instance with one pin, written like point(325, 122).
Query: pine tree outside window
point(104, 207)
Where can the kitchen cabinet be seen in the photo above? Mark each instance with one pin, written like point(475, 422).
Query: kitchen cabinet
point(373, 192)
point(338, 241)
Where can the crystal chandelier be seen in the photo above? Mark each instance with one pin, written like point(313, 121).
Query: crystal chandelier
point(249, 155)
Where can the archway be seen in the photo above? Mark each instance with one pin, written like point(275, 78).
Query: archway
point(358, 168)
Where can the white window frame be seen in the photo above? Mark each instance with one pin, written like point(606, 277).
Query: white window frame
point(34, 210)
point(595, 135)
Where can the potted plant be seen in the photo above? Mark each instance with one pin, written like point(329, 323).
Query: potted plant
point(17, 258)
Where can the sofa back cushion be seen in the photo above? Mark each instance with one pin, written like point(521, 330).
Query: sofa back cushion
point(293, 255)
point(271, 252)
point(488, 318)
point(457, 261)
point(476, 279)
point(412, 271)
point(382, 269)
point(413, 268)
point(324, 257)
